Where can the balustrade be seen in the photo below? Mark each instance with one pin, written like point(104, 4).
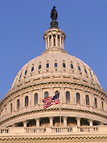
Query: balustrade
point(52, 130)
point(88, 129)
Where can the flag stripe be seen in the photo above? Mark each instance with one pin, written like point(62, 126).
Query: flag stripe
point(48, 101)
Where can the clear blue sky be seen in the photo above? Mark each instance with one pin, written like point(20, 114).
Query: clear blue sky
point(23, 22)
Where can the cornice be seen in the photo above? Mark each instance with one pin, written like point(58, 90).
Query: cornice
point(53, 109)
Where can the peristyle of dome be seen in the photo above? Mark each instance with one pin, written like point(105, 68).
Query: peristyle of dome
point(82, 99)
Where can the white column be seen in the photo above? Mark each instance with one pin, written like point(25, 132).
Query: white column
point(99, 106)
point(65, 121)
point(56, 40)
point(82, 98)
point(25, 123)
point(40, 97)
point(73, 96)
point(91, 100)
point(78, 121)
point(52, 41)
point(62, 43)
point(51, 93)
point(30, 102)
point(62, 95)
point(91, 122)
point(104, 105)
point(23, 100)
point(48, 41)
point(37, 122)
point(60, 40)
point(51, 121)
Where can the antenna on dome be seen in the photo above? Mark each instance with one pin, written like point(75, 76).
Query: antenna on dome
point(53, 16)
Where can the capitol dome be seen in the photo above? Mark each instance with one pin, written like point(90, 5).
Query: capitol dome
point(56, 62)
point(83, 102)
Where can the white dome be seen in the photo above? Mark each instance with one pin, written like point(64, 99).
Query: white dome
point(66, 65)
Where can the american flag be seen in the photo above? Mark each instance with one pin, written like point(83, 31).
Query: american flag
point(48, 101)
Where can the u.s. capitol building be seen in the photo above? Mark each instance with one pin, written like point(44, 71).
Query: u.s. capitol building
point(81, 115)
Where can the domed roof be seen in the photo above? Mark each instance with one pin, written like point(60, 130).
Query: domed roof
point(52, 62)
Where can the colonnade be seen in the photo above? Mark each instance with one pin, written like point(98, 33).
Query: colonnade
point(63, 124)
point(54, 40)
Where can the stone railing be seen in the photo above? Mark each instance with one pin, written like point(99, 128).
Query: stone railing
point(4, 131)
point(88, 129)
point(53, 130)
point(62, 129)
point(34, 130)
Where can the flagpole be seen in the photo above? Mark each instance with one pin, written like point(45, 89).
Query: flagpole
point(60, 113)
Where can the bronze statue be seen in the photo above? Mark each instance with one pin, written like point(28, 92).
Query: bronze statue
point(54, 13)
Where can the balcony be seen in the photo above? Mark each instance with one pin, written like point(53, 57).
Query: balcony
point(53, 130)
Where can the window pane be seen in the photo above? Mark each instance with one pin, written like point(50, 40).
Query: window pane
point(25, 72)
point(87, 100)
point(35, 99)
point(55, 65)
point(64, 65)
point(79, 68)
point(85, 71)
point(18, 104)
point(11, 107)
point(78, 98)
point(46, 94)
point(47, 65)
point(67, 97)
point(95, 102)
point(26, 101)
point(20, 75)
point(39, 67)
point(32, 69)
point(72, 66)
point(102, 105)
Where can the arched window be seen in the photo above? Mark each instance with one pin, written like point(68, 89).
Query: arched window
point(79, 68)
point(26, 101)
point(46, 94)
point(64, 65)
point(35, 99)
point(47, 65)
point(25, 72)
point(55, 64)
point(72, 66)
point(39, 67)
point(11, 107)
point(67, 97)
point(85, 70)
point(87, 100)
point(32, 69)
point(18, 103)
point(102, 105)
point(78, 98)
point(95, 102)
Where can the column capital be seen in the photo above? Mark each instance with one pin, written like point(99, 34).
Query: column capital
point(25, 121)
point(51, 117)
point(64, 116)
point(78, 118)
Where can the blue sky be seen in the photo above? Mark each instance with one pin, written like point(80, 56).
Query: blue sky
point(23, 22)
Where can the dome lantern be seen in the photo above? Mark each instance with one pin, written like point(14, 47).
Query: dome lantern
point(54, 37)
